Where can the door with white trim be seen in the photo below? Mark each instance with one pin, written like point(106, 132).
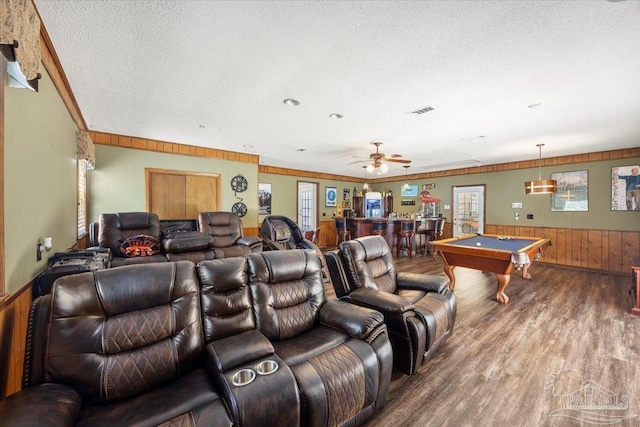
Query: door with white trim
point(307, 206)
point(468, 210)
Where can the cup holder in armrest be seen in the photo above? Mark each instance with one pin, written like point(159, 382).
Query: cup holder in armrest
point(243, 377)
point(267, 367)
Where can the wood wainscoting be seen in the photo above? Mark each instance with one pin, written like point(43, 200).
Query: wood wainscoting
point(607, 250)
point(14, 316)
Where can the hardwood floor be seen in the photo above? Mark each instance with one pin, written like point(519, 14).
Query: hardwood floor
point(497, 368)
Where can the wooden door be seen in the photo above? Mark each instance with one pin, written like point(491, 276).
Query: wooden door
point(181, 195)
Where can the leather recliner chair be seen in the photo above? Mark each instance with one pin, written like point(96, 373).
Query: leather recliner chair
point(419, 309)
point(227, 231)
point(115, 228)
point(340, 355)
point(280, 232)
point(121, 346)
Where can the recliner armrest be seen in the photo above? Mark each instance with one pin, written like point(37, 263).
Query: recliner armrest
point(422, 282)
point(227, 353)
point(249, 240)
point(358, 322)
point(46, 404)
point(383, 301)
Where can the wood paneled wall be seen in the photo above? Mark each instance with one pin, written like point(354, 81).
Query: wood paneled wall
point(170, 147)
point(14, 316)
point(607, 250)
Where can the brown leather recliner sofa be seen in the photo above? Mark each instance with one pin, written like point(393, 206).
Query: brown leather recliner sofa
point(218, 235)
point(227, 232)
point(231, 342)
point(419, 309)
point(175, 244)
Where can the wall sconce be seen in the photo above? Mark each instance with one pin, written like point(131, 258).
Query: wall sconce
point(44, 245)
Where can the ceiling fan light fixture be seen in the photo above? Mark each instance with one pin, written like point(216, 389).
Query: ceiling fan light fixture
point(370, 168)
point(540, 186)
point(384, 168)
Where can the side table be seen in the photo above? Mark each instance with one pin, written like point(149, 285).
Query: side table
point(72, 262)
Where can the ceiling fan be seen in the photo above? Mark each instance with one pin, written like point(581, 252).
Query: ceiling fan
point(379, 159)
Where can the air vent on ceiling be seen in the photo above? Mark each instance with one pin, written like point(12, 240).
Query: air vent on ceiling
point(421, 111)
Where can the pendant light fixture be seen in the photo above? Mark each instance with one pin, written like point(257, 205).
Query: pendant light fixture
point(406, 179)
point(541, 186)
point(365, 186)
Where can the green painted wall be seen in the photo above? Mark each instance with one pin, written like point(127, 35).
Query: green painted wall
point(40, 179)
point(284, 191)
point(118, 182)
point(503, 188)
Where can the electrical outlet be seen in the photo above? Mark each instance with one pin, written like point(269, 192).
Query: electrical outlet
point(517, 216)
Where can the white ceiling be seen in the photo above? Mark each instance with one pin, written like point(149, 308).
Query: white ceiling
point(215, 74)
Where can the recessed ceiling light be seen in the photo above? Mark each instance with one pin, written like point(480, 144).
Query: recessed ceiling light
point(535, 105)
point(247, 146)
point(335, 116)
point(301, 149)
point(291, 101)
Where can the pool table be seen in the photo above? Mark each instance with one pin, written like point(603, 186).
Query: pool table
point(488, 252)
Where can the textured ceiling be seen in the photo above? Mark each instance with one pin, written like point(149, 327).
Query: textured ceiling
point(215, 73)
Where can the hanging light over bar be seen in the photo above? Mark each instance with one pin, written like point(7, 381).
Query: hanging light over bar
point(540, 186)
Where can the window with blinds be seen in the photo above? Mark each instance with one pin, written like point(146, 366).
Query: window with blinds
point(82, 197)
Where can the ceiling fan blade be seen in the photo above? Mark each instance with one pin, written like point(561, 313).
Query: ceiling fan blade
point(359, 161)
point(399, 161)
point(391, 156)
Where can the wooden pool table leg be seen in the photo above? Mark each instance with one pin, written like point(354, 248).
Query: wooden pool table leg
point(503, 282)
point(448, 269)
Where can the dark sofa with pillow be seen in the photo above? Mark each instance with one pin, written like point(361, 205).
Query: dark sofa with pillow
point(141, 238)
point(231, 342)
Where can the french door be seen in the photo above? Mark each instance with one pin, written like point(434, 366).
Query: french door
point(307, 205)
point(468, 210)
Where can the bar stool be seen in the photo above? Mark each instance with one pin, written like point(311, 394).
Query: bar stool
point(439, 228)
point(342, 232)
point(428, 230)
point(379, 227)
point(313, 235)
point(406, 235)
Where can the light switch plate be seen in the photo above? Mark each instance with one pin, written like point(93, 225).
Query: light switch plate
point(516, 205)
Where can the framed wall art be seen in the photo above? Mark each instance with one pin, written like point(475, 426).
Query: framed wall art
point(412, 191)
point(331, 197)
point(264, 199)
point(625, 188)
point(572, 192)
